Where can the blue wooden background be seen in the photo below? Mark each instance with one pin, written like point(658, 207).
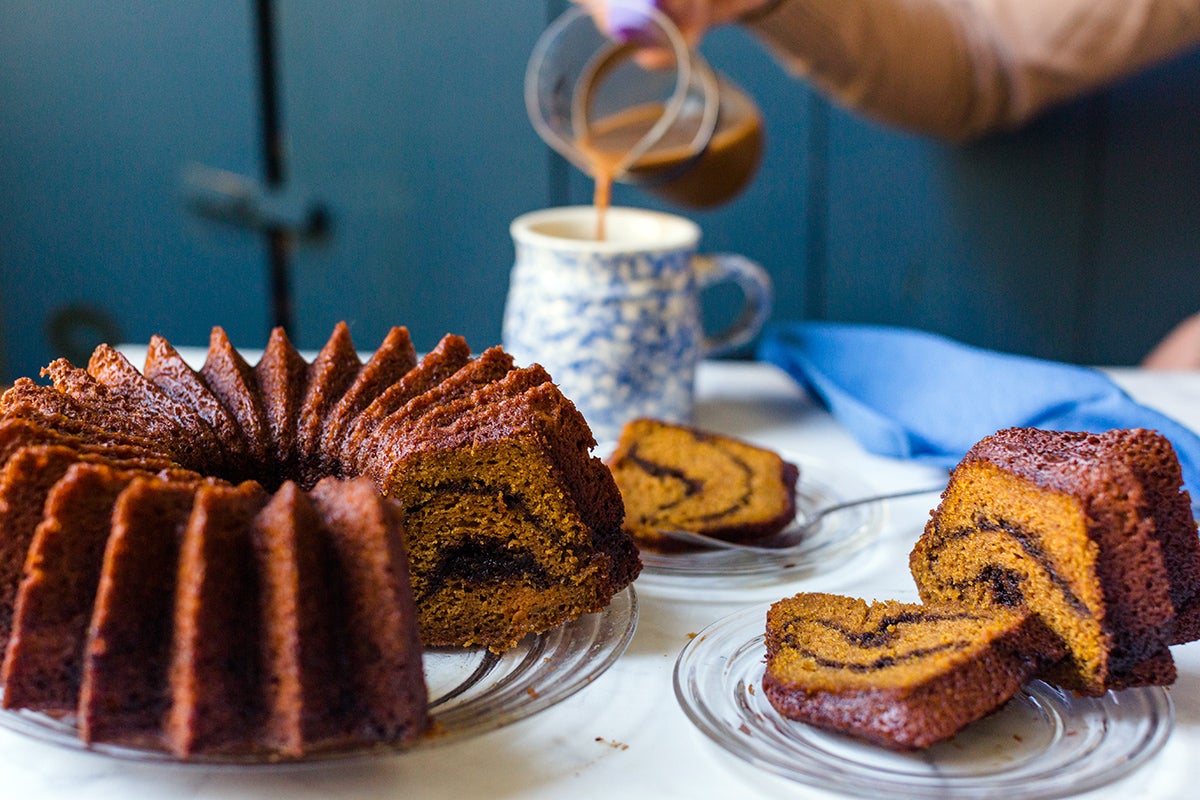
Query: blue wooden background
point(1075, 238)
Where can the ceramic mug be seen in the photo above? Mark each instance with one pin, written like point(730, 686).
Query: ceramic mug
point(617, 323)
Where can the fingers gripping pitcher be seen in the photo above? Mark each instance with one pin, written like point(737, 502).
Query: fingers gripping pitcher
point(633, 103)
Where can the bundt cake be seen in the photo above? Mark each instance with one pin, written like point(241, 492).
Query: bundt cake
point(224, 560)
point(1093, 532)
point(901, 675)
point(674, 477)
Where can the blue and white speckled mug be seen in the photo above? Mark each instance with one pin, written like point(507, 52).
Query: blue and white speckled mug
point(617, 323)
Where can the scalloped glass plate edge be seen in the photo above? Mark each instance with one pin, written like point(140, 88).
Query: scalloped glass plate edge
point(492, 691)
point(1095, 740)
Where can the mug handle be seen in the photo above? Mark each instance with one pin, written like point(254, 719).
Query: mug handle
point(757, 291)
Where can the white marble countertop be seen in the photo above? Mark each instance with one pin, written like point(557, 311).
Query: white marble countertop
point(625, 735)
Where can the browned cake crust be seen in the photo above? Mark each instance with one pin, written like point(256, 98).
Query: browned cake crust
point(124, 694)
point(490, 366)
point(451, 354)
point(19, 432)
point(329, 376)
point(231, 380)
point(214, 699)
point(25, 481)
point(387, 688)
point(513, 383)
point(282, 378)
point(901, 675)
point(50, 408)
point(306, 690)
point(675, 477)
point(43, 664)
point(394, 358)
point(199, 444)
point(1080, 527)
point(168, 371)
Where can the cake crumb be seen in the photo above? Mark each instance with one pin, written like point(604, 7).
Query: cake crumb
point(613, 744)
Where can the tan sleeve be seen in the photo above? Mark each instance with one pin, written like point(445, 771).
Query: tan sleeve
point(961, 68)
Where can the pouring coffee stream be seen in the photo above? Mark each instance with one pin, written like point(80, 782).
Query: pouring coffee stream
point(649, 112)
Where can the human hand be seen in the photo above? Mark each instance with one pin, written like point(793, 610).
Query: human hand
point(693, 17)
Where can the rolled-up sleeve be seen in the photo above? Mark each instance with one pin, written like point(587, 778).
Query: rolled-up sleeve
point(961, 68)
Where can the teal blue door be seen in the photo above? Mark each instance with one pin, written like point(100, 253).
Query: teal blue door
point(104, 107)
point(138, 193)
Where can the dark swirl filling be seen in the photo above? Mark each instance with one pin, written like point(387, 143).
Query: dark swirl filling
point(884, 634)
point(1004, 584)
point(483, 560)
point(693, 486)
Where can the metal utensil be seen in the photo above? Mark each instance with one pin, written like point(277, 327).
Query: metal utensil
point(794, 535)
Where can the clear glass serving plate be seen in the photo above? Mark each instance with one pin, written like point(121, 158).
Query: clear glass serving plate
point(1044, 743)
point(471, 690)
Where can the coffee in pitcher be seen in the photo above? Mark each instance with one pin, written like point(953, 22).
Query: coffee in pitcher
point(650, 112)
point(674, 169)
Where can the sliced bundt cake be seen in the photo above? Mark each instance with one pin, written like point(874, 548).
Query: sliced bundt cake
point(902, 675)
point(292, 622)
point(1093, 532)
point(674, 477)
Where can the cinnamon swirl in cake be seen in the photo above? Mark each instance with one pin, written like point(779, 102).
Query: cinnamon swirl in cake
point(675, 477)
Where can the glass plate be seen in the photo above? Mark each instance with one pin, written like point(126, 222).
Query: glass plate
point(471, 690)
point(831, 541)
point(1044, 743)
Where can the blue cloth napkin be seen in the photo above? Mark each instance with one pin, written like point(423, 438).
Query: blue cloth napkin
point(916, 395)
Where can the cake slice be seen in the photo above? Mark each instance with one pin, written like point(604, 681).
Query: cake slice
point(1067, 524)
point(124, 693)
point(511, 526)
point(214, 675)
point(43, 662)
point(675, 477)
point(281, 376)
point(901, 675)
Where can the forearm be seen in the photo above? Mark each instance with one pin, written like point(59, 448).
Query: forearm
point(960, 68)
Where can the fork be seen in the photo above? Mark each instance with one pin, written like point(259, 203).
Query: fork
point(793, 537)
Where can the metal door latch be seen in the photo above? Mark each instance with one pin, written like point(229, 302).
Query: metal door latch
point(235, 199)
